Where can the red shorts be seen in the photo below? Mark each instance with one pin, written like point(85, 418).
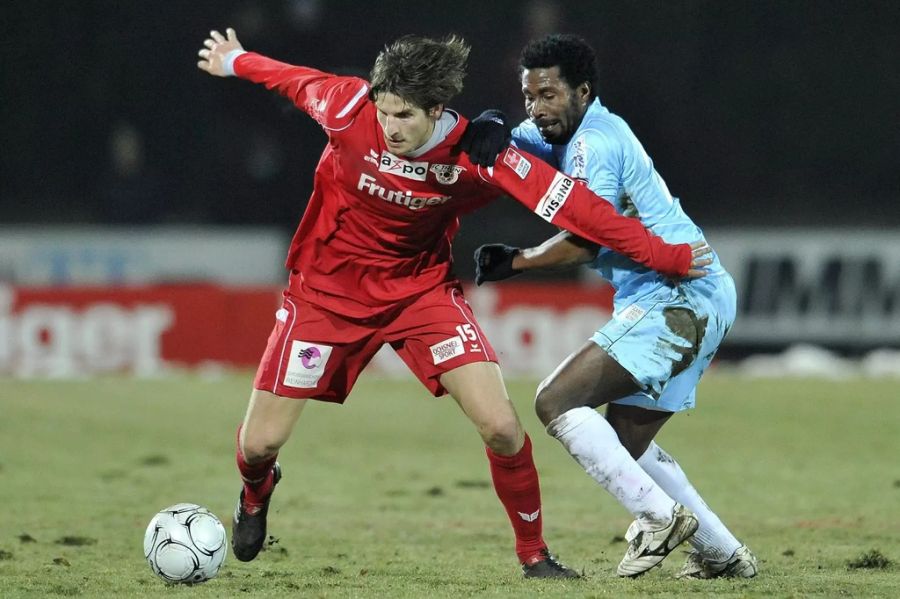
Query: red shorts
point(317, 354)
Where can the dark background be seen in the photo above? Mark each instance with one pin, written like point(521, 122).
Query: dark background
point(756, 113)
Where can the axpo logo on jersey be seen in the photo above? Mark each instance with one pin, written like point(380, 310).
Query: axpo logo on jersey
point(417, 171)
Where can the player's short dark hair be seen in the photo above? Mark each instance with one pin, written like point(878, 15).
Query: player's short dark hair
point(423, 71)
point(575, 58)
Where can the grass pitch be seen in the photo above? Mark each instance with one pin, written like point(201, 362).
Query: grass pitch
point(390, 495)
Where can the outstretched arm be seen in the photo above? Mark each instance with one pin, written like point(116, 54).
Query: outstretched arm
point(572, 206)
point(566, 249)
point(331, 100)
point(496, 261)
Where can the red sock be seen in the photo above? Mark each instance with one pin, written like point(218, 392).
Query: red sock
point(259, 479)
point(517, 485)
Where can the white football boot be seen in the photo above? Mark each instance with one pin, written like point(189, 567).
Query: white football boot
point(648, 548)
point(741, 564)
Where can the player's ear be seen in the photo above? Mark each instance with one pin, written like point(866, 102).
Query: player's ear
point(583, 92)
point(435, 112)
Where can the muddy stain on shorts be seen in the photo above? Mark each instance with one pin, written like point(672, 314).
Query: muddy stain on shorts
point(684, 323)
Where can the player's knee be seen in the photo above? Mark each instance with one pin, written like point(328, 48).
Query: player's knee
point(502, 435)
point(544, 408)
point(548, 403)
point(260, 446)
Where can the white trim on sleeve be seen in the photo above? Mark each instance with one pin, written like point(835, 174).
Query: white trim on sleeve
point(359, 95)
point(228, 62)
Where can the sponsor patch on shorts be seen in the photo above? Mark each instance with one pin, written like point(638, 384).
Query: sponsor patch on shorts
point(449, 348)
point(306, 364)
point(517, 163)
point(632, 313)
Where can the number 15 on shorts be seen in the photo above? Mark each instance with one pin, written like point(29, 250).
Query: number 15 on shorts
point(469, 336)
point(467, 332)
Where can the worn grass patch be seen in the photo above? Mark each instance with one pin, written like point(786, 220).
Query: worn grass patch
point(873, 559)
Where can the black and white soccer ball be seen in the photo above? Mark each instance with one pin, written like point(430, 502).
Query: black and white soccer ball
point(185, 543)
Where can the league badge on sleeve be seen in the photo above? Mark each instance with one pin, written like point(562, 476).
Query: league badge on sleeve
point(518, 163)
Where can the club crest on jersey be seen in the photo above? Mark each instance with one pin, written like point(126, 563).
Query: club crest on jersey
point(518, 163)
point(446, 174)
point(417, 171)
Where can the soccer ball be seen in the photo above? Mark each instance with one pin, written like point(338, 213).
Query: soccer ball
point(185, 543)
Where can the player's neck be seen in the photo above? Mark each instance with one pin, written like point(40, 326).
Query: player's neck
point(440, 128)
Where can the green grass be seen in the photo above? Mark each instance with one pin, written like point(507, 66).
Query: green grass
point(390, 496)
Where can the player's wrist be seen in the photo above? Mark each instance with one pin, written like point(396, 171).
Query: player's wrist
point(519, 261)
point(682, 256)
point(228, 61)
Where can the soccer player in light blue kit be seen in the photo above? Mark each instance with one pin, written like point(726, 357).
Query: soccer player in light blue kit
point(645, 363)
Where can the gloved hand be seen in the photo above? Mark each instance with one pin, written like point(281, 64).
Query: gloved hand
point(493, 262)
point(485, 137)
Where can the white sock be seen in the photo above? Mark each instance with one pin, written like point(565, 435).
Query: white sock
point(713, 540)
point(589, 438)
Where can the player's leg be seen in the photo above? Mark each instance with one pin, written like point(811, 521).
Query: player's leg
point(717, 552)
point(266, 428)
point(637, 427)
point(311, 353)
point(566, 403)
point(479, 390)
point(441, 342)
point(634, 355)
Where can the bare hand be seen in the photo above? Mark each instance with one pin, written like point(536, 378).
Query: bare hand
point(217, 47)
point(700, 251)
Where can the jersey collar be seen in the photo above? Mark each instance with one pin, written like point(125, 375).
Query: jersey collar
point(442, 128)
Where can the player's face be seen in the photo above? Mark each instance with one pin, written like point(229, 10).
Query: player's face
point(554, 106)
point(406, 127)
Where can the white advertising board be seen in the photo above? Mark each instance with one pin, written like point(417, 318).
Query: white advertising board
point(832, 287)
point(31, 255)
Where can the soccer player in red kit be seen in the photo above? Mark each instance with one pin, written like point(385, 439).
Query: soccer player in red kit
point(370, 264)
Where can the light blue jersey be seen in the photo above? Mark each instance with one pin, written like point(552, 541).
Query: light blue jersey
point(606, 155)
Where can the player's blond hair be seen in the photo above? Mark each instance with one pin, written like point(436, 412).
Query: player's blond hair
point(422, 71)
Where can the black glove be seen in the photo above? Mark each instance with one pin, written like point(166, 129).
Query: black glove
point(493, 262)
point(485, 137)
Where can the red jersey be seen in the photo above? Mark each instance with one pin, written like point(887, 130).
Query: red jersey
point(378, 227)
